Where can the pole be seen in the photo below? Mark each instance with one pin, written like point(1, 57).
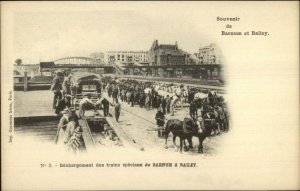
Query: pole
point(25, 81)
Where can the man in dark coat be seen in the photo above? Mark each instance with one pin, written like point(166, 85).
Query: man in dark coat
point(115, 93)
point(56, 87)
point(160, 121)
point(131, 99)
point(105, 104)
point(163, 104)
point(158, 102)
point(168, 103)
point(191, 95)
point(154, 101)
point(142, 99)
point(193, 109)
point(63, 103)
point(117, 110)
point(109, 90)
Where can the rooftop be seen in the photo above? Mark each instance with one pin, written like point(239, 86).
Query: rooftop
point(163, 51)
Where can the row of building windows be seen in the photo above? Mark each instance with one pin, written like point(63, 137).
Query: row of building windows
point(127, 58)
point(173, 60)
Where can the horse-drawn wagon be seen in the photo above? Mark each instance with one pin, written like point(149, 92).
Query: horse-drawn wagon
point(85, 84)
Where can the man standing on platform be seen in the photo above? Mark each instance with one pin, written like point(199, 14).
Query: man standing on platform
point(102, 103)
point(117, 110)
point(115, 93)
point(65, 102)
point(105, 104)
point(56, 88)
point(160, 121)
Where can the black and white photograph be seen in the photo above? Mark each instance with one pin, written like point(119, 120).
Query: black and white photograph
point(135, 97)
point(150, 95)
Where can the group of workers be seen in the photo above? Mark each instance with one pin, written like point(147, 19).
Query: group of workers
point(69, 131)
point(148, 95)
point(102, 103)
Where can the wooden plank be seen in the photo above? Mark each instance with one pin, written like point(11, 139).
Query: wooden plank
point(86, 134)
point(126, 140)
point(124, 137)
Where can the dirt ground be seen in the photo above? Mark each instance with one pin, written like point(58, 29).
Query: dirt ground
point(140, 124)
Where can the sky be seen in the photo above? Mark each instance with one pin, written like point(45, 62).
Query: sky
point(49, 34)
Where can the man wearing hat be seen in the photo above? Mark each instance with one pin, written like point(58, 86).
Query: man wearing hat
point(63, 122)
point(105, 104)
point(56, 88)
point(117, 110)
point(65, 102)
point(115, 93)
point(74, 116)
point(160, 121)
point(66, 128)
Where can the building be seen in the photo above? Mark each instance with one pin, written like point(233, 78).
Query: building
point(98, 56)
point(168, 60)
point(167, 54)
point(127, 57)
point(209, 54)
point(31, 69)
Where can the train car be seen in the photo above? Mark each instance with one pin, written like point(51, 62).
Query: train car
point(85, 83)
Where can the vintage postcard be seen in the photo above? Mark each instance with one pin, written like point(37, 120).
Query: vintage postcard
point(166, 95)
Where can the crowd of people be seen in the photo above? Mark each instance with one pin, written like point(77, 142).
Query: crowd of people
point(69, 131)
point(148, 95)
point(204, 105)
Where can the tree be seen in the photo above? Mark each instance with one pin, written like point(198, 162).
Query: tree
point(18, 61)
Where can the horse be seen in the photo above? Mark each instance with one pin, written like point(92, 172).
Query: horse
point(182, 129)
point(187, 129)
point(204, 129)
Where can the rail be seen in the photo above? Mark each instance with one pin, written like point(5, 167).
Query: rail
point(124, 137)
point(87, 135)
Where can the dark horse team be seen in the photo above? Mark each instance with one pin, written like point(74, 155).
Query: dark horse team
point(208, 116)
